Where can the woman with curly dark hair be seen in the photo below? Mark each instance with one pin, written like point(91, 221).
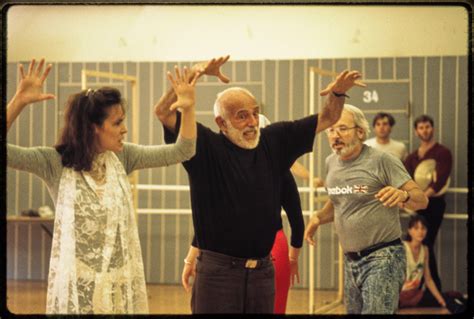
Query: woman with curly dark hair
point(96, 264)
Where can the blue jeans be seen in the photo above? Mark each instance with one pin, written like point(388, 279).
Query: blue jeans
point(373, 283)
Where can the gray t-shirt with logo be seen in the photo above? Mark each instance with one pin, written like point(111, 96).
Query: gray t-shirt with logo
point(360, 219)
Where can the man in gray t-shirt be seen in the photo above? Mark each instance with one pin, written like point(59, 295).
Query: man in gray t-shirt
point(366, 187)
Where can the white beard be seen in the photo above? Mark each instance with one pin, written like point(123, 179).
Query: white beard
point(348, 148)
point(237, 136)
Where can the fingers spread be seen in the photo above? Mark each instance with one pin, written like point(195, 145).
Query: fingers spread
point(178, 73)
point(342, 75)
point(22, 71)
point(226, 58)
point(171, 79)
point(46, 72)
point(40, 67)
point(32, 66)
point(223, 78)
point(44, 97)
point(194, 79)
point(186, 72)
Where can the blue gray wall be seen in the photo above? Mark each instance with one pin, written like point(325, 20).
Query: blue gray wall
point(433, 85)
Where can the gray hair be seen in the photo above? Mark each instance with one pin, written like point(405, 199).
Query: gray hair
point(359, 119)
point(218, 107)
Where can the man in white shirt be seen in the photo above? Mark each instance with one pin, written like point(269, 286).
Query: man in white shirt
point(382, 124)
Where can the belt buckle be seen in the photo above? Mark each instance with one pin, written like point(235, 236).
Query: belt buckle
point(251, 263)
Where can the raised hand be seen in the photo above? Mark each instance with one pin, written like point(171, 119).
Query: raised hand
point(30, 88)
point(344, 81)
point(183, 88)
point(213, 67)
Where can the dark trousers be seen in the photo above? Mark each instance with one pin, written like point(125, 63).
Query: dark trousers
point(223, 284)
point(434, 216)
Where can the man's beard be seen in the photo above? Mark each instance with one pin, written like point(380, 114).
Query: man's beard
point(427, 138)
point(237, 136)
point(347, 148)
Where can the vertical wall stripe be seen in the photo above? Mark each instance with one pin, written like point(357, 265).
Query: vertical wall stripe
point(43, 141)
point(17, 172)
point(137, 75)
point(290, 91)
point(15, 255)
point(440, 104)
point(305, 87)
point(149, 175)
point(234, 70)
point(177, 264)
point(277, 87)
point(263, 82)
point(393, 69)
point(363, 67)
point(111, 71)
point(43, 251)
point(163, 217)
point(425, 85)
point(379, 60)
point(248, 71)
point(28, 259)
point(30, 143)
point(56, 102)
point(410, 72)
point(455, 161)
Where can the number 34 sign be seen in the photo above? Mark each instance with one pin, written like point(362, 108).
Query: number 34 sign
point(381, 94)
point(370, 96)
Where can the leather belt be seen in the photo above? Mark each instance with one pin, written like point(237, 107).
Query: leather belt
point(365, 252)
point(249, 263)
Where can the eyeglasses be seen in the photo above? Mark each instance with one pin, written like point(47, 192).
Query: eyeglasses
point(341, 130)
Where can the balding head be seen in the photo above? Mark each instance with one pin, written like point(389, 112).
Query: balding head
point(236, 114)
point(231, 100)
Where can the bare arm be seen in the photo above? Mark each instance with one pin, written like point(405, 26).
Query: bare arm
point(299, 170)
point(185, 101)
point(162, 108)
point(321, 217)
point(417, 199)
point(29, 90)
point(336, 96)
point(409, 195)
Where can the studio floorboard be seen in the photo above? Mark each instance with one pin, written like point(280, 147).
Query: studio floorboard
point(29, 297)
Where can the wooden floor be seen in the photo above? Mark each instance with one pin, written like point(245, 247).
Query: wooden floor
point(29, 297)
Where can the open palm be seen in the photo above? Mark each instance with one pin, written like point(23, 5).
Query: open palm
point(185, 92)
point(213, 67)
point(344, 81)
point(30, 88)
